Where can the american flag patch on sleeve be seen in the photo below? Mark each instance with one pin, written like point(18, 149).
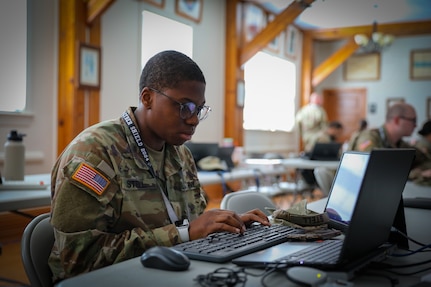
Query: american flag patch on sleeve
point(91, 178)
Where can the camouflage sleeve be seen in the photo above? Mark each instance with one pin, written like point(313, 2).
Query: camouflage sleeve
point(85, 218)
point(83, 223)
point(368, 140)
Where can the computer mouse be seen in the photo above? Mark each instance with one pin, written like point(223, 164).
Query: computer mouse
point(162, 257)
point(306, 275)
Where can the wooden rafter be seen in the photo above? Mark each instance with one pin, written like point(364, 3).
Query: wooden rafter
point(275, 27)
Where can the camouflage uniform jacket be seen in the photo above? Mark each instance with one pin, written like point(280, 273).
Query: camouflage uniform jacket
point(106, 205)
point(310, 120)
point(377, 138)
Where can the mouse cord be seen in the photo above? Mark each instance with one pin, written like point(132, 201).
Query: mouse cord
point(229, 277)
point(222, 277)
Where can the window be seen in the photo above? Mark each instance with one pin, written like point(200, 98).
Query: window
point(161, 33)
point(270, 89)
point(13, 57)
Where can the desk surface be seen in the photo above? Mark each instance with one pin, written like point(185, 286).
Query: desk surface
point(131, 273)
point(294, 162)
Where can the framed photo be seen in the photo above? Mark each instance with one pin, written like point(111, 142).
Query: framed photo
point(254, 21)
point(290, 42)
point(157, 3)
point(274, 45)
point(420, 64)
point(429, 108)
point(362, 67)
point(240, 93)
point(391, 101)
point(190, 9)
point(88, 66)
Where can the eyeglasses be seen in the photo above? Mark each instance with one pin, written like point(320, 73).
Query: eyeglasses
point(187, 110)
point(412, 120)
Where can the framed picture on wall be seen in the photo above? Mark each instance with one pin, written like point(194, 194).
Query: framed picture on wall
point(158, 3)
point(190, 9)
point(290, 42)
point(420, 64)
point(88, 66)
point(362, 67)
point(254, 21)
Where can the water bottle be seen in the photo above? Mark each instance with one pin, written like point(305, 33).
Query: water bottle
point(14, 151)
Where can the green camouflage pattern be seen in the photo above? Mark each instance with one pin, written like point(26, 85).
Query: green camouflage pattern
point(92, 230)
point(319, 137)
point(310, 119)
point(372, 139)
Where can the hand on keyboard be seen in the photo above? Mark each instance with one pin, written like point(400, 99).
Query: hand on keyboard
point(218, 220)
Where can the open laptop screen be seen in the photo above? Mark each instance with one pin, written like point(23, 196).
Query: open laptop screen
point(346, 186)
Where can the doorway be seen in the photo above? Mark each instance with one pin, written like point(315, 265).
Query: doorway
point(347, 106)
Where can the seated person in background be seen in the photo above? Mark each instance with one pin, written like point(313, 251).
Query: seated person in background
point(121, 186)
point(363, 125)
point(400, 122)
point(422, 174)
point(331, 133)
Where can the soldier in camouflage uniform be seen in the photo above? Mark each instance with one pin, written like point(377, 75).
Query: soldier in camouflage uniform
point(422, 174)
point(331, 133)
point(400, 122)
point(311, 119)
point(110, 184)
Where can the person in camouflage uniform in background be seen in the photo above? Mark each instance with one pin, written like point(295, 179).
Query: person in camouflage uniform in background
point(422, 175)
point(107, 204)
point(400, 122)
point(311, 119)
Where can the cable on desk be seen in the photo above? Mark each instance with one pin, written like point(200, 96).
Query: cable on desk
point(412, 252)
point(222, 277)
point(408, 237)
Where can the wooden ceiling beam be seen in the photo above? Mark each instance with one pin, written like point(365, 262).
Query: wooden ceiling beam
point(333, 62)
point(275, 27)
point(396, 29)
point(95, 8)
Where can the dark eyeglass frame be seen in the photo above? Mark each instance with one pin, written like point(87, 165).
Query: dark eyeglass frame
point(412, 120)
point(189, 109)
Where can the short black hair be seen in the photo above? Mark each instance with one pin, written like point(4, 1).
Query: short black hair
point(168, 69)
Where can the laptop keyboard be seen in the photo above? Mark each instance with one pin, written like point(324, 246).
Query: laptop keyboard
point(223, 246)
point(327, 252)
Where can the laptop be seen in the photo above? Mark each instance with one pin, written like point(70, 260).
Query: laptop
point(324, 151)
point(225, 155)
point(9, 185)
point(201, 150)
point(363, 202)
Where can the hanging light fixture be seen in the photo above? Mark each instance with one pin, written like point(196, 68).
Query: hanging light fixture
point(376, 43)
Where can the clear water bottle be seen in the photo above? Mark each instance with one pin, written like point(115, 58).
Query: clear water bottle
point(14, 151)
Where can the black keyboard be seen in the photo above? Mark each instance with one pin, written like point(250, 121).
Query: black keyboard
point(223, 246)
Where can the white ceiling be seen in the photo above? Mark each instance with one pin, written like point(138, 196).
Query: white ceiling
point(346, 13)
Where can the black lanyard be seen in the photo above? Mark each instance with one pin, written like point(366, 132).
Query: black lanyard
point(135, 132)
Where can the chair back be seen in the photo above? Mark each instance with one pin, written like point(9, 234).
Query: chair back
point(245, 200)
point(324, 178)
point(36, 244)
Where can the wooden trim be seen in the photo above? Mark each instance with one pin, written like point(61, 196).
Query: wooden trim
point(333, 62)
point(95, 8)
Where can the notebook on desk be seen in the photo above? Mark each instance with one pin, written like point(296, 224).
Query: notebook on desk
point(363, 201)
point(324, 151)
